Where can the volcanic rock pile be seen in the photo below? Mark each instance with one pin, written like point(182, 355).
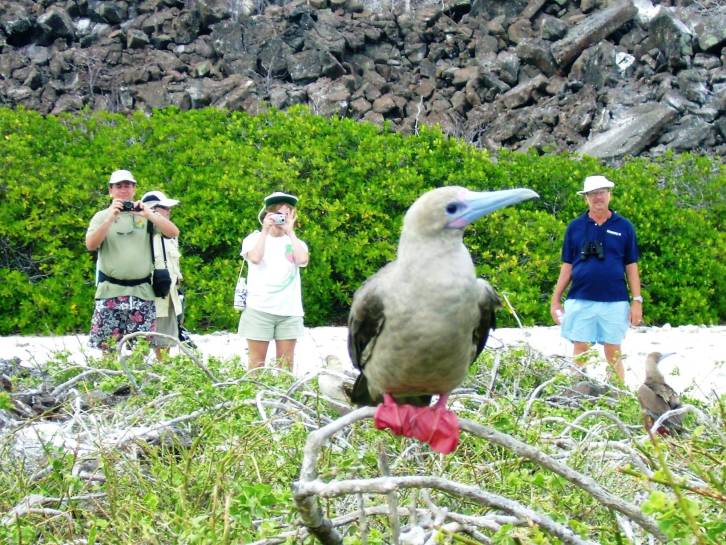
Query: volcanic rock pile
point(606, 77)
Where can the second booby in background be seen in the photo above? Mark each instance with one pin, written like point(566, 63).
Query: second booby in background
point(657, 398)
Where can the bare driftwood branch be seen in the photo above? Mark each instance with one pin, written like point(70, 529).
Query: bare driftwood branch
point(37, 504)
point(534, 395)
point(495, 371)
point(610, 446)
point(308, 488)
point(489, 522)
point(307, 505)
point(582, 481)
point(153, 431)
point(687, 409)
point(596, 412)
point(386, 485)
point(362, 519)
point(391, 498)
point(63, 388)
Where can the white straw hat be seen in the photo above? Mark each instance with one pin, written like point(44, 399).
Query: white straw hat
point(593, 183)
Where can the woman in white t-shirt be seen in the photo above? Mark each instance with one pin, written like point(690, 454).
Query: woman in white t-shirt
point(274, 300)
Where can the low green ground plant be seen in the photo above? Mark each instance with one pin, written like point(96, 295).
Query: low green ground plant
point(222, 467)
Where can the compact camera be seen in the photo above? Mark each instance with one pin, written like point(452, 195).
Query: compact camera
point(593, 247)
point(128, 206)
point(279, 219)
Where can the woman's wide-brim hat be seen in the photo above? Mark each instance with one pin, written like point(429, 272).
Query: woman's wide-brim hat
point(276, 198)
point(157, 198)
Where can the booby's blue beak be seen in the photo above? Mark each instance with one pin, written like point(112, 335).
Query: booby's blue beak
point(472, 205)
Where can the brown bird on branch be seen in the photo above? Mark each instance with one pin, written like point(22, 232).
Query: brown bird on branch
point(657, 398)
point(417, 325)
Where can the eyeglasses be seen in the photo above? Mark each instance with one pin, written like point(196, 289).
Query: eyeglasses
point(123, 184)
point(597, 192)
point(159, 207)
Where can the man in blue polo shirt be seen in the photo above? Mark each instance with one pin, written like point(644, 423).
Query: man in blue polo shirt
point(599, 253)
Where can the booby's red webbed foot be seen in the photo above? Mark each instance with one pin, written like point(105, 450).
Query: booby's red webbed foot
point(390, 415)
point(436, 426)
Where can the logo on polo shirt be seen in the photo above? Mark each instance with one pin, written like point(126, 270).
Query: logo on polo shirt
point(613, 233)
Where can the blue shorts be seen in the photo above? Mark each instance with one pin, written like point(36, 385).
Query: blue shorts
point(595, 321)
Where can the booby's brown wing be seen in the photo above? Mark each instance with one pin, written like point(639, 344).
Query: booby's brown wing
point(650, 402)
point(488, 303)
point(666, 393)
point(365, 322)
point(653, 405)
point(671, 400)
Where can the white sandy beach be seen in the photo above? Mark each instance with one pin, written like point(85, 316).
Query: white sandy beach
point(697, 367)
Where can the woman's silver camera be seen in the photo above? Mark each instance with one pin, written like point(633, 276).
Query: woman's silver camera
point(279, 219)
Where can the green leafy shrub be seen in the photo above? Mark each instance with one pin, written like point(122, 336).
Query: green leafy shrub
point(355, 181)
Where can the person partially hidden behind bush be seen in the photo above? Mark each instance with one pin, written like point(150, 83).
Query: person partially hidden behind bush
point(274, 300)
point(169, 307)
point(599, 252)
point(120, 234)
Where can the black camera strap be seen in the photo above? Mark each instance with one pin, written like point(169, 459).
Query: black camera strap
point(163, 248)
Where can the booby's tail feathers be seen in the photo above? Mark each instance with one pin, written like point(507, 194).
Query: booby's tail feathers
point(360, 394)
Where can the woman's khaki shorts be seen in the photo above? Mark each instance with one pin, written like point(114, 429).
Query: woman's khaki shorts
point(262, 326)
point(169, 326)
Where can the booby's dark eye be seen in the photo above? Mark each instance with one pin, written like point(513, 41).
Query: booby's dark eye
point(452, 208)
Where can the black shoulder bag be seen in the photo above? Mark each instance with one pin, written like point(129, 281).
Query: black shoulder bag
point(161, 279)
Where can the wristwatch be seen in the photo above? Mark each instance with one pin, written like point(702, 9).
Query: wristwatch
point(638, 298)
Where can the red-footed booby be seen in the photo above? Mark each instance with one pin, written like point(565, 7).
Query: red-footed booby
point(417, 325)
point(657, 398)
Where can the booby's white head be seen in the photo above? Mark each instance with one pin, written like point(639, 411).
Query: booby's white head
point(456, 207)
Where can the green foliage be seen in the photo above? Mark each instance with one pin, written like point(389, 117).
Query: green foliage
point(355, 181)
point(225, 475)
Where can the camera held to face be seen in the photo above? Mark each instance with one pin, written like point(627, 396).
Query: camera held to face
point(128, 206)
point(278, 219)
point(593, 247)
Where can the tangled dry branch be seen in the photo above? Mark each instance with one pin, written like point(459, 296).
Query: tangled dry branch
point(308, 488)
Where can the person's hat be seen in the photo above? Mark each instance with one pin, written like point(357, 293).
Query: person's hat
point(157, 198)
point(276, 198)
point(593, 183)
point(118, 176)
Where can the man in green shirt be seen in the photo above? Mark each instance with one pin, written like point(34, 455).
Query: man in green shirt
point(120, 234)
